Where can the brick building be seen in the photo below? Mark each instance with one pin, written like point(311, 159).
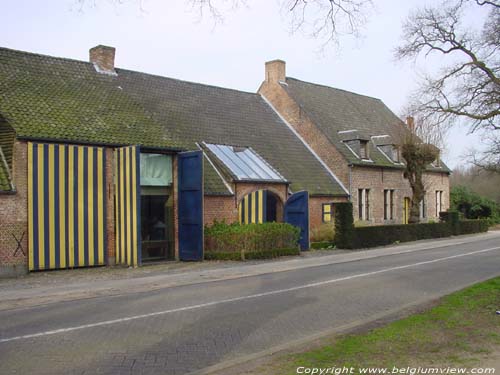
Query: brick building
point(94, 168)
point(356, 136)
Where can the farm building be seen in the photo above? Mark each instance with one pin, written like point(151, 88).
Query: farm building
point(104, 166)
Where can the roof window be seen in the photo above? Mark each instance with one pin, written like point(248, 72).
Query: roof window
point(244, 163)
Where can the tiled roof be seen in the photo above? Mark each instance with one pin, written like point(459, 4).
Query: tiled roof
point(334, 110)
point(57, 99)
point(4, 178)
point(201, 113)
point(52, 98)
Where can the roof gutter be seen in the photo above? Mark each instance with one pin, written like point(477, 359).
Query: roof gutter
point(100, 144)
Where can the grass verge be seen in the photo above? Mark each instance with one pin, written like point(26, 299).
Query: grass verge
point(459, 331)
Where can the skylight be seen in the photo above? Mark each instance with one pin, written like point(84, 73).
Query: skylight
point(244, 163)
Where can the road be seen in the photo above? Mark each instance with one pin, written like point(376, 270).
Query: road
point(178, 330)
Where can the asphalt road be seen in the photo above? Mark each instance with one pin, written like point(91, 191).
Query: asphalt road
point(183, 329)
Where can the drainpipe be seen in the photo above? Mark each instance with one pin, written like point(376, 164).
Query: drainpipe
point(350, 181)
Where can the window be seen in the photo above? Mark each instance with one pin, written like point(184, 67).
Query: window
point(388, 204)
point(244, 163)
point(327, 212)
point(439, 202)
point(364, 204)
point(423, 207)
point(363, 149)
point(359, 148)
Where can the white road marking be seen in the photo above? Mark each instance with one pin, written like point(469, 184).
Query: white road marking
point(235, 299)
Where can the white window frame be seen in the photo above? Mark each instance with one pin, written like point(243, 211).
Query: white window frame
point(364, 204)
point(389, 204)
point(439, 202)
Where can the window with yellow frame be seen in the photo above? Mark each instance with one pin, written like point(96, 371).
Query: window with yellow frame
point(327, 212)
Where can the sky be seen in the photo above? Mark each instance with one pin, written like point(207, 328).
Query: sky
point(168, 38)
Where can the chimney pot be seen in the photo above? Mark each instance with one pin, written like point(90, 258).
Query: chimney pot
point(410, 122)
point(276, 71)
point(103, 58)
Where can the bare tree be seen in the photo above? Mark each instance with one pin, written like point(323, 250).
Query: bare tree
point(327, 20)
point(468, 87)
point(419, 144)
point(488, 160)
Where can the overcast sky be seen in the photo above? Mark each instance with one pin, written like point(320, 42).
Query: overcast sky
point(166, 38)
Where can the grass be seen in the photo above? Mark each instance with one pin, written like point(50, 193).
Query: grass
point(460, 330)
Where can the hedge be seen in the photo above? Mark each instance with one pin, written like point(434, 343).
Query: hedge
point(264, 254)
point(349, 237)
point(250, 241)
point(344, 225)
point(382, 235)
point(474, 226)
point(322, 245)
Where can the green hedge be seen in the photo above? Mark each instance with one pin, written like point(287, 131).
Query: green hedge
point(474, 226)
point(322, 245)
point(344, 225)
point(381, 235)
point(250, 241)
point(349, 237)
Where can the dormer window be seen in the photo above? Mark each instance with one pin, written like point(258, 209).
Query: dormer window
point(363, 149)
point(360, 148)
point(392, 152)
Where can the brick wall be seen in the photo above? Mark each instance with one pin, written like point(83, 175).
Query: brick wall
point(375, 179)
point(14, 216)
point(316, 209)
point(299, 120)
point(379, 179)
point(220, 208)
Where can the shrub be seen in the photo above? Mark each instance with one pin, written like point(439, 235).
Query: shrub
point(382, 235)
point(324, 233)
point(474, 206)
point(344, 226)
point(322, 245)
point(474, 226)
point(451, 217)
point(249, 240)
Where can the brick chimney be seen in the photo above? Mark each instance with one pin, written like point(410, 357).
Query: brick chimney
point(410, 122)
point(103, 58)
point(276, 71)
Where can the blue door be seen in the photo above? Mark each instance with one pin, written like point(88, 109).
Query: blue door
point(190, 168)
point(297, 214)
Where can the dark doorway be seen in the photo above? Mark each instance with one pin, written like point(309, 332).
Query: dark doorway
point(157, 227)
point(271, 208)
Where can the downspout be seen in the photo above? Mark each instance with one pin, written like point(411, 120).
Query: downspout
point(350, 181)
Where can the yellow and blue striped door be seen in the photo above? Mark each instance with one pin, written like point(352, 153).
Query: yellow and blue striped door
point(127, 206)
point(66, 206)
point(252, 208)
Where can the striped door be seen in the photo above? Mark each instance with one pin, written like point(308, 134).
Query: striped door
point(66, 206)
point(252, 208)
point(127, 206)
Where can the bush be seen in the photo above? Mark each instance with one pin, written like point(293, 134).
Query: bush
point(474, 226)
point(349, 237)
point(451, 217)
point(474, 206)
point(382, 235)
point(324, 233)
point(344, 226)
point(264, 254)
point(322, 245)
point(249, 241)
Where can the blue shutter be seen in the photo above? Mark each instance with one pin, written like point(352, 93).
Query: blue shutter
point(297, 214)
point(190, 168)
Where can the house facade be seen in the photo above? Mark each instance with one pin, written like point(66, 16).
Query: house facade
point(357, 137)
point(103, 166)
